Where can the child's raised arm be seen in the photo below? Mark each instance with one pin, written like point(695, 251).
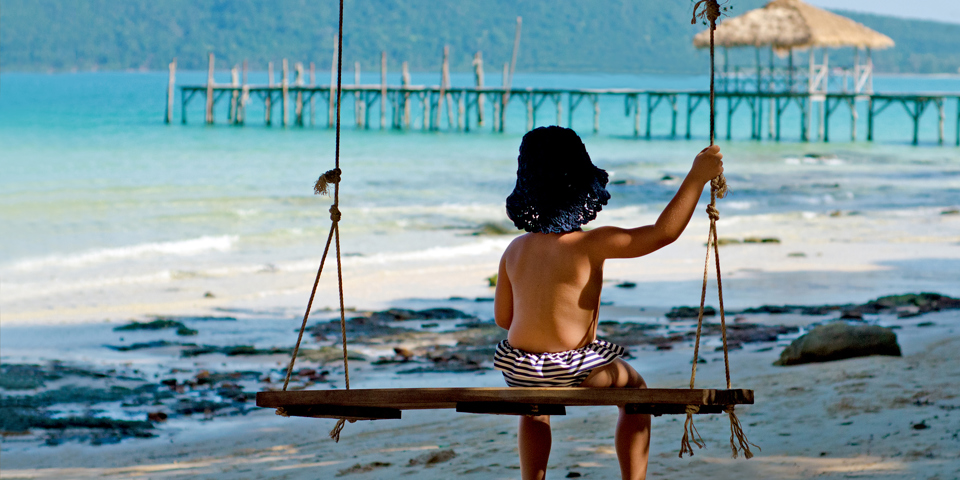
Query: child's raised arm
point(615, 242)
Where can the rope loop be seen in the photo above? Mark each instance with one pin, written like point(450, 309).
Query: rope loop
point(329, 177)
point(334, 214)
point(282, 412)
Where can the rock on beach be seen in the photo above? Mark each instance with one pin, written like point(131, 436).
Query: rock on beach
point(839, 340)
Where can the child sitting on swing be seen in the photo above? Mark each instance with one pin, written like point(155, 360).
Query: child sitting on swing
point(549, 281)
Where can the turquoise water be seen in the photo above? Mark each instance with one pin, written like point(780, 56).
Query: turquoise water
point(95, 185)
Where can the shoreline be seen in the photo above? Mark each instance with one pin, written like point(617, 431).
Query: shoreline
point(871, 404)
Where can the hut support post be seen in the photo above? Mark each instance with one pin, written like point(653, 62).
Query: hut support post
point(771, 87)
point(759, 69)
point(804, 103)
point(758, 135)
point(726, 70)
point(730, 110)
point(870, 119)
point(478, 73)
point(285, 100)
point(790, 71)
point(854, 116)
point(209, 105)
point(779, 112)
point(168, 115)
point(383, 90)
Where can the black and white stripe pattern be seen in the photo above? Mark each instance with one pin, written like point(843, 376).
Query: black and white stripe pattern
point(561, 369)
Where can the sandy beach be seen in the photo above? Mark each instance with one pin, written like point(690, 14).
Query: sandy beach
point(872, 417)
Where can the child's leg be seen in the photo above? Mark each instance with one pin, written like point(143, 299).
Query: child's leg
point(535, 439)
point(633, 431)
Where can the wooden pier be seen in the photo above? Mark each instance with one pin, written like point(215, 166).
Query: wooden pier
point(467, 108)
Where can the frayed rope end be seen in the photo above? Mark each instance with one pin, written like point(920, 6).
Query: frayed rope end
point(690, 433)
point(736, 432)
point(329, 177)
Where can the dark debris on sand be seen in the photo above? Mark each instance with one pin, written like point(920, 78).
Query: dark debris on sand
point(51, 394)
point(906, 305)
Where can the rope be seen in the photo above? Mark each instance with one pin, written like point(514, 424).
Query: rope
point(736, 431)
point(718, 189)
point(321, 188)
point(690, 432)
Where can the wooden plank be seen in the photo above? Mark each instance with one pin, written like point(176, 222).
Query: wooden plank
point(347, 412)
point(507, 408)
point(432, 398)
point(658, 409)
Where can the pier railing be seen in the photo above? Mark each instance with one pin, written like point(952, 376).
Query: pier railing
point(466, 107)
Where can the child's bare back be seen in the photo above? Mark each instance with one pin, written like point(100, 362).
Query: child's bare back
point(549, 283)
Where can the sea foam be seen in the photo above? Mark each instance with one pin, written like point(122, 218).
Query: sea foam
point(221, 243)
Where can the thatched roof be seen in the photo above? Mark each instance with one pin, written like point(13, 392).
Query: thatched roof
point(786, 24)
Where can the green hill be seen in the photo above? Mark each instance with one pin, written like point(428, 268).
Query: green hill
point(560, 35)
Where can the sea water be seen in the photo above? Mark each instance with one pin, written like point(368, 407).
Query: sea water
point(97, 193)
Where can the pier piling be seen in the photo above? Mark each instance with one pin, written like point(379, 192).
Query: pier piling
point(641, 104)
point(168, 116)
point(209, 106)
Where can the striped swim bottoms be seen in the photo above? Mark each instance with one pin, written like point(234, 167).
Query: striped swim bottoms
point(560, 369)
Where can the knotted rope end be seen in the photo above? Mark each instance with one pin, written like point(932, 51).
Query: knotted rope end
point(690, 433)
point(282, 412)
point(719, 186)
point(711, 11)
point(335, 433)
point(329, 177)
point(736, 433)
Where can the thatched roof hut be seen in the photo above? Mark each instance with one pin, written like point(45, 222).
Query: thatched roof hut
point(792, 24)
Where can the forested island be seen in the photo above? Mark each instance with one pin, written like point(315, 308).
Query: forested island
point(616, 36)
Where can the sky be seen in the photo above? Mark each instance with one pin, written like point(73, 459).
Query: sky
point(940, 10)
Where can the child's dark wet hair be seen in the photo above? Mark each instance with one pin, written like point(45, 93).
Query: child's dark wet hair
point(558, 189)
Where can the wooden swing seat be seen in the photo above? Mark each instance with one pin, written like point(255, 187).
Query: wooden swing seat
point(387, 403)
